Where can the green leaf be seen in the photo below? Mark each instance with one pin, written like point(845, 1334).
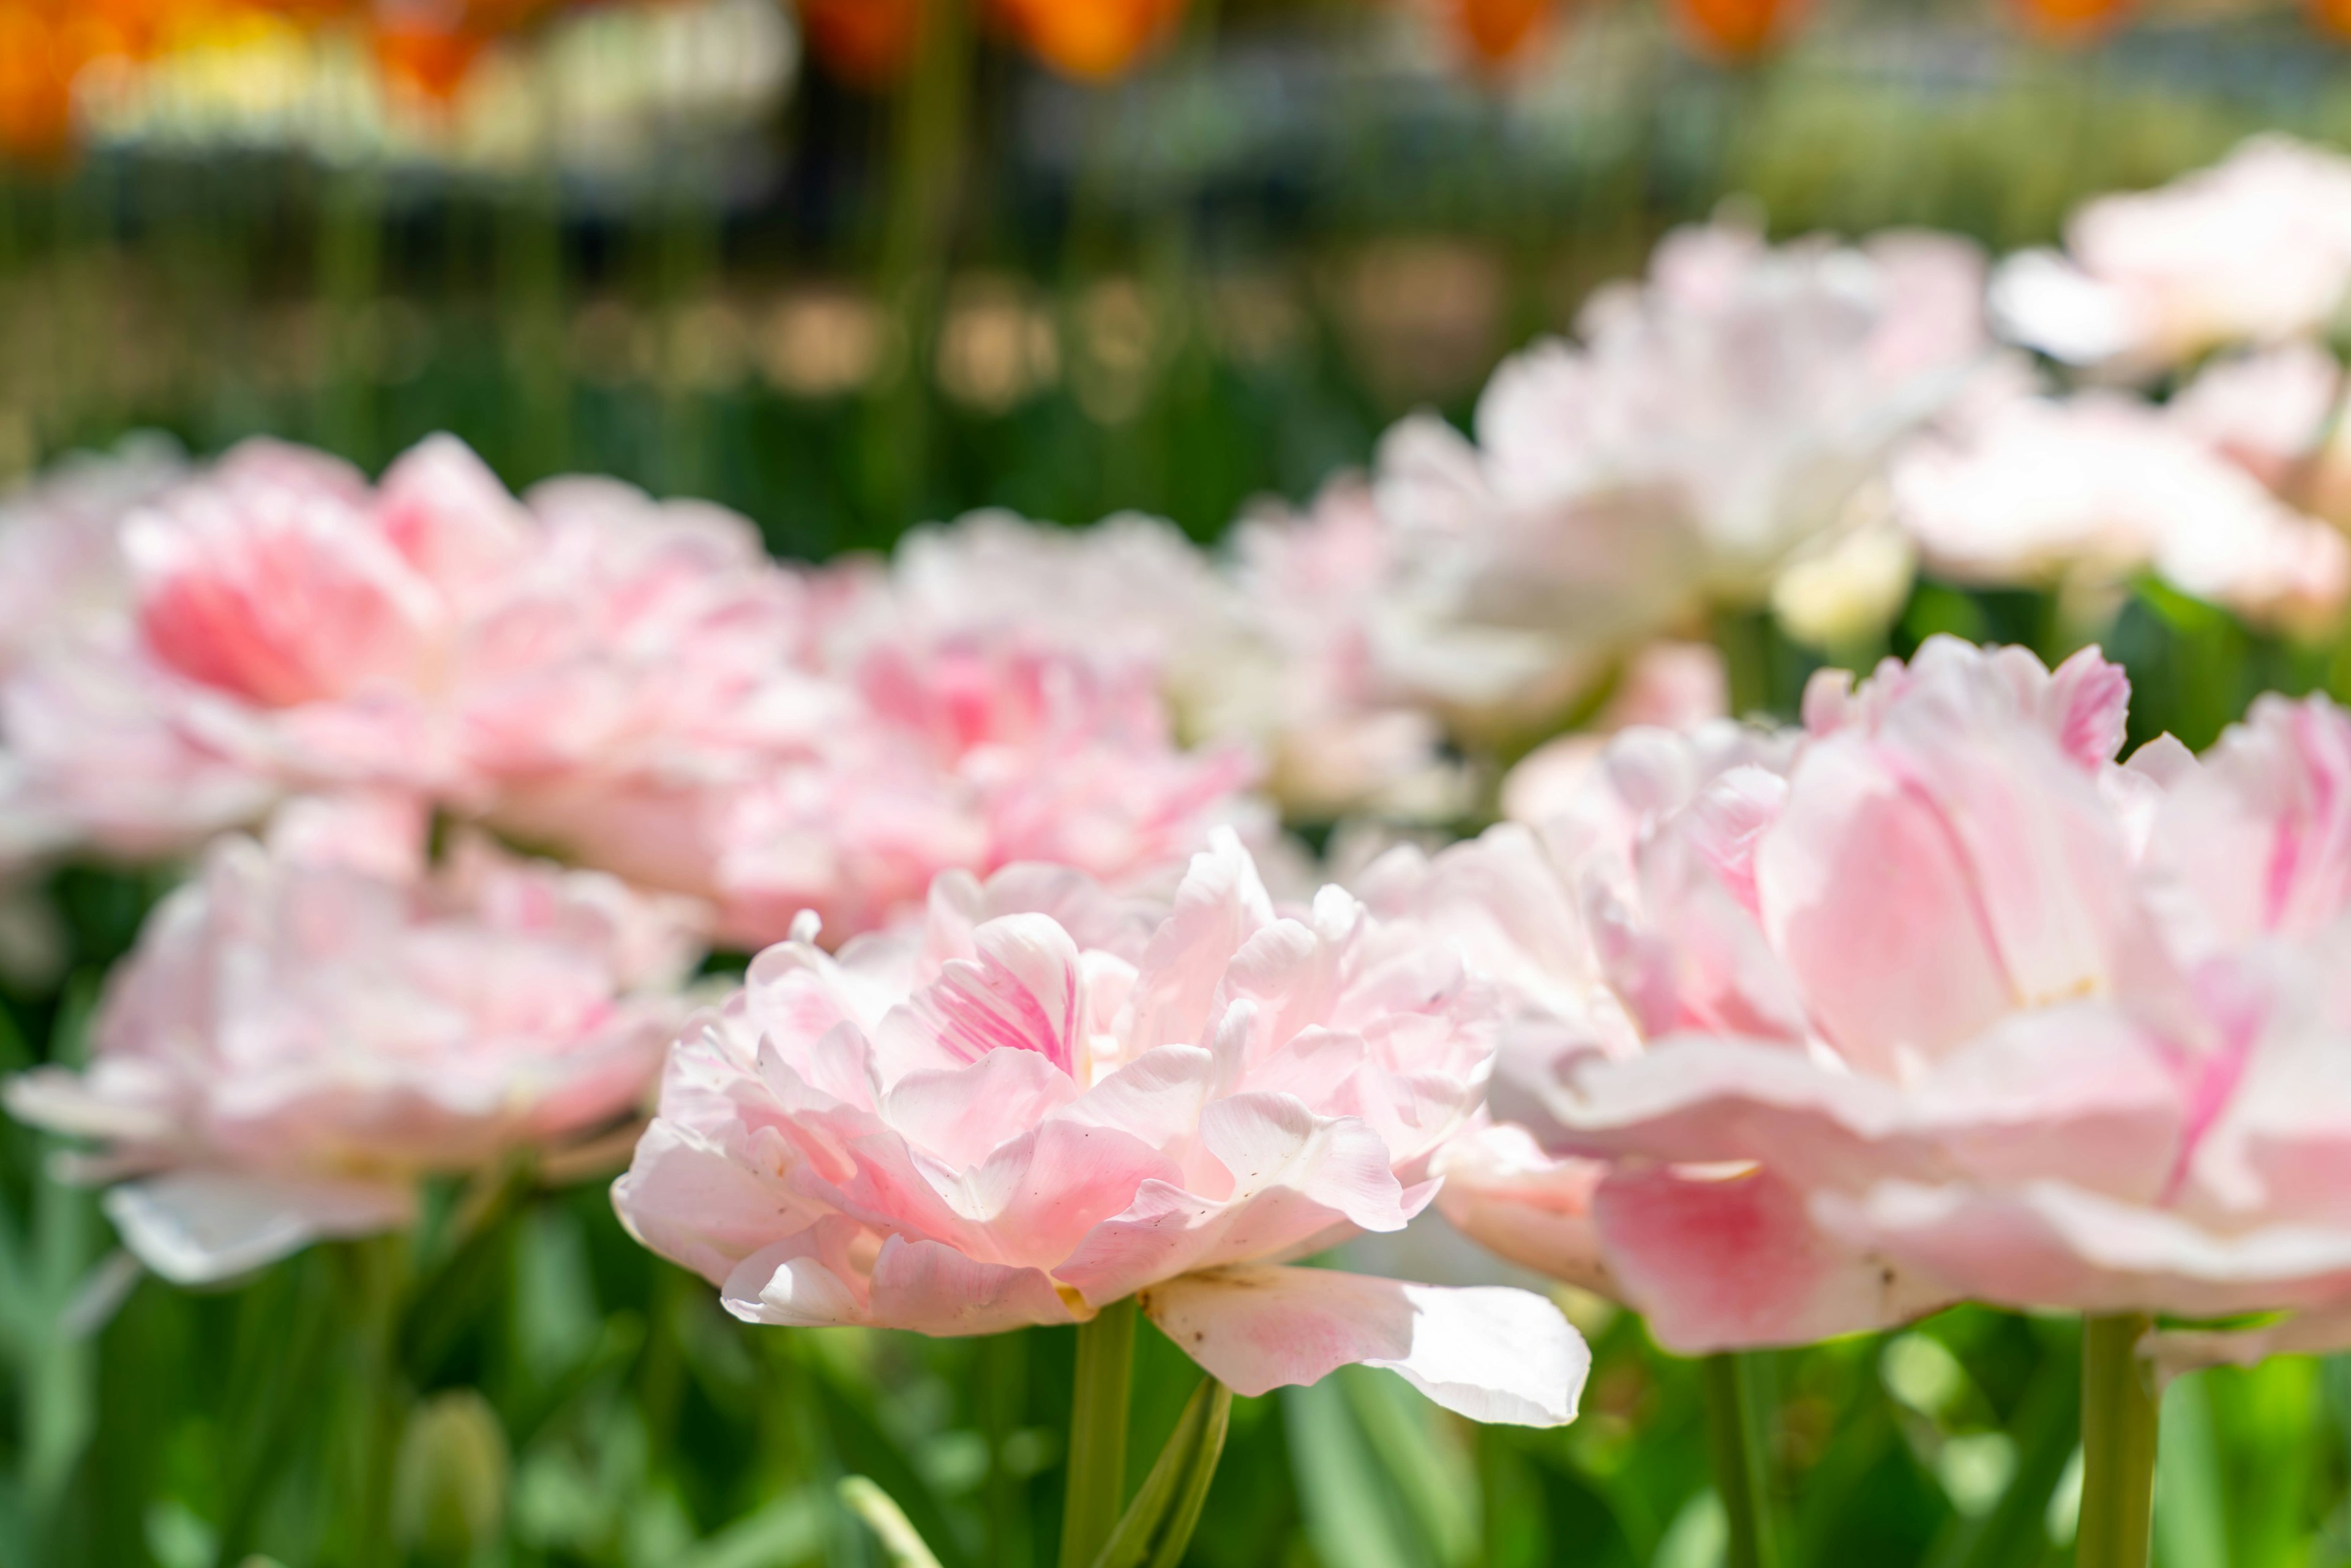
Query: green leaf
point(790, 1530)
point(900, 1540)
point(2045, 1430)
point(1344, 1491)
point(2191, 1523)
point(1158, 1524)
point(1432, 1476)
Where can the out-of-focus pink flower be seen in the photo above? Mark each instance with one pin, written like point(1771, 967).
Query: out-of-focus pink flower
point(2255, 249)
point(1274, 648)
point(61, 564)
point(1941, 1002)
point(1715, 423)
point(2084, 492)
point(972, 757)
point(2278, 413)
point(1308, 681)
point(1043, 1105)
point(313, 1025)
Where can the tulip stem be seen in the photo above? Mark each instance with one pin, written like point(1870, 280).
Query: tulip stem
point(377, 1275)
point(2118, 1430)
point(1735, 1406)
point(1097, 1484)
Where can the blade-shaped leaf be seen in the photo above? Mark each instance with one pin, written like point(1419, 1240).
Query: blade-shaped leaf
point(900, 1540)
point(1351, 1513)
point(1158, 1524)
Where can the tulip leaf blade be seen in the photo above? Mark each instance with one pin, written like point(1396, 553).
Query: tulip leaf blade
point(901, 1541)
point(1158, 1523)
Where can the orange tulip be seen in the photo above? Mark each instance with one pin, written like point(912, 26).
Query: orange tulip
point(1498, 31)
point(36, 87)
point(1737, 30)
point(868, 42)
point(2076, 21)
point(428, 60)
point(1093, 39)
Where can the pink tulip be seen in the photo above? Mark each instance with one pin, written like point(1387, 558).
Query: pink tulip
point(1313, 682)
point(313, 1025)
point(2255, 249)
point(971, 757)
point(1710, 429)
point(1934, 1000)
point(2085, 492)
point(1050, 1099)
point(2277, 414)
point(60, 542)
point(1274, 649)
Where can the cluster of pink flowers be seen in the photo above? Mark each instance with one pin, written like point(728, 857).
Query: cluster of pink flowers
point(1931, 1000)
point(1774, 1033)
point(634, 683)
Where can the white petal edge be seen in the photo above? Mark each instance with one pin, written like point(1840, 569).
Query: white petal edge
point(1488, 1353)
point(199, 1228)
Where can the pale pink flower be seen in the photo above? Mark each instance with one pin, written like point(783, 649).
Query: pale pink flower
point(2277, 414)
point(288, 627)
point(1270, 648)
point(1129, 591)
point(1514, 901)
point(969, 756)
point(1941, 1002)
point(1309, 682)
point(312, 1026)
point(2087, 491)
point(2256, 249)
point(62, 566)
point(1715, 422)
point(1045, 1104)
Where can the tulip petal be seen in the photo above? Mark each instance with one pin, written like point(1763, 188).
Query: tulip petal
point(2050, 1245)
point(1733, 1263)
point(198, 1226)
point(1489, 1353)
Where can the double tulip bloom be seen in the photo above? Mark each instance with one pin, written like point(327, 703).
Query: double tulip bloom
point(315, 1024)
point(1932, 1000)
point(635, 684)
point(1050, 1100)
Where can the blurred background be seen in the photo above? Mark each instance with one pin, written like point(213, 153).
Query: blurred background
point(858, 264)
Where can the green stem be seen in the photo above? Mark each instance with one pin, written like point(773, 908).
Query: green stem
point(351, 264)
point(930, 151)
point(1097, 1485)
point(1743, 636)
point(2118, 1427)
point(1735, 1407)
point(377, 1276)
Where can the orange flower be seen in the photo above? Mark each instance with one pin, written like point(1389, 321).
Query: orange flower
point(427, 58)
point(1095, 40)
point(868, 42)
point(1497, 31)
point(1737, 30)
point(35, 86)
point(2080, 21)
